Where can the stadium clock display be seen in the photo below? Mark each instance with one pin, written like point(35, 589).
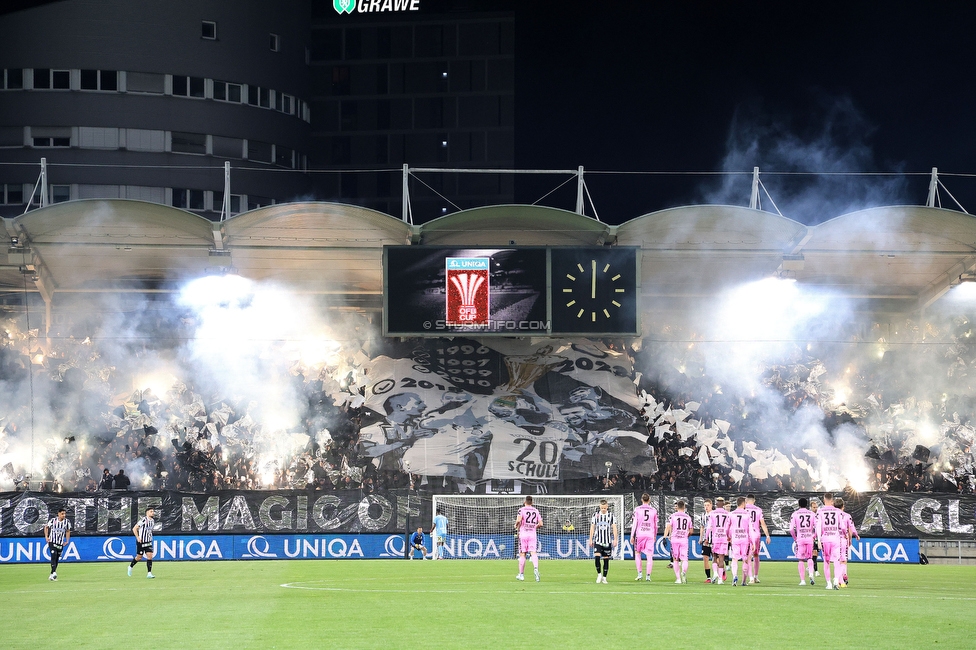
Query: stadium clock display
point(594, 290)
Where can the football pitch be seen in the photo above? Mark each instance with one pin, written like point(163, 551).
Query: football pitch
point(475, 604)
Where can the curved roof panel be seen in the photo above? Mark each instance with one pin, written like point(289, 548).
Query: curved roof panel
point(315, 225)
point(694, 250)
point(526, 225)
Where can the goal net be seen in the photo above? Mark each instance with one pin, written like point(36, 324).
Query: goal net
point(483, 526)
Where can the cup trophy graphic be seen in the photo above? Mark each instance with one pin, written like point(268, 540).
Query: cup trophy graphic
point(524, 370)
point(467, 291)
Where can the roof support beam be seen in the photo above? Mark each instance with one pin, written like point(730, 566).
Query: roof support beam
point(943, 283)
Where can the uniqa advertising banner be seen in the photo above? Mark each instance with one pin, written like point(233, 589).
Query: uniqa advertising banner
point(373, 546)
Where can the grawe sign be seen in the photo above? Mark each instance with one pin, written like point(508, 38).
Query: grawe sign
point(375, 6)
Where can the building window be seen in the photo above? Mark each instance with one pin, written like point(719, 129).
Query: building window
point(208, 30)
point(259, 151)
point(145, 140)
point(286, 103)
point(225, 91)
point(264, 98)
point(275, 43)
point(235, 202)
point(189, 86)
point(99, 80)
point(340, 80)
point(60, 193)
point(145, 82)
point(13, 79)
point(284, 157)
point(51, 136)
point(187, 199)
point(228, 147)
point(47, 79)
point(12, 194)
point(195, 143)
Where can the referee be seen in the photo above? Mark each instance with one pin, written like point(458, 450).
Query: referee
point(143, 530)
point(57, 533)
point(602, 525)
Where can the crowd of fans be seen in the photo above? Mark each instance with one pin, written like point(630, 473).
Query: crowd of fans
point(183, 440)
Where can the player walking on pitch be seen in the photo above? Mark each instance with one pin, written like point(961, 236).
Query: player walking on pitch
point(527, 523)
point(643, 534)
point(143, 530)
point(802, 529)
point(603, 539)
point(739, 527)
point(706, 541)
point(828, 532)
point(678, 528)
point(57, 533)
point(847, 532)
point(756, 524)
point(438, 535)
point(718, 533)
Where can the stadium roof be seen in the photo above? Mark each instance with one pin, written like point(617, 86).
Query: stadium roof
point(895, 258)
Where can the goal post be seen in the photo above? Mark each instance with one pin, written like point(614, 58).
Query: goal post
point(483, 526)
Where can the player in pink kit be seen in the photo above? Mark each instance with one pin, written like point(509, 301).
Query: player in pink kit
point(756, 524)
point(678, 528)
point(643, 534)
point(741, 545)
point(719, 524)
point(802, 528)
point(828, 532)
point(526, 523)
point(847, 532)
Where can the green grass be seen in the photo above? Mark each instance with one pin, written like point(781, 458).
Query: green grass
point(475, 603)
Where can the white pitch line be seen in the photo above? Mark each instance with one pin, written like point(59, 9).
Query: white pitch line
point(302, 585)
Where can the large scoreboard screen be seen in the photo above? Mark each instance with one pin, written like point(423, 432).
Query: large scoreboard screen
point(515, 291)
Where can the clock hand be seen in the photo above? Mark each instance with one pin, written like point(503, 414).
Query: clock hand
point(593, 290)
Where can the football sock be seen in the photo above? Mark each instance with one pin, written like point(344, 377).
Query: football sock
point(133, 562)
point(799, 565)
point(149, 566)
point(535, 561)
point(606, 566)
point(596, 560)
point(521, 564)
point(708, 573)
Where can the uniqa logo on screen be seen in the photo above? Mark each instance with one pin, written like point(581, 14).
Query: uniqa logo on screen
point(374, 6)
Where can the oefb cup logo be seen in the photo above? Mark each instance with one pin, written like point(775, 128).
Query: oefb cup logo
point(467, 290)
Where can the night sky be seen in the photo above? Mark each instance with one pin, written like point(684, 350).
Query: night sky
point(713, 85)
point(689, 86)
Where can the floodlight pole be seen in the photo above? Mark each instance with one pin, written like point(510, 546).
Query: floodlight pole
point(754, 197)
point(933, 188)
point(405, 209)
point(225, 208)
point(579, 190)
point(43, 182)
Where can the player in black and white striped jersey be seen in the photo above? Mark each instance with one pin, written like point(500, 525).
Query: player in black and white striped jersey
point(57, 533)
point(603, 539)
point(143, 530)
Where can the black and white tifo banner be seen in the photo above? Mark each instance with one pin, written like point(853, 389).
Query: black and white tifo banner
point(504, 409)
point(24, 514)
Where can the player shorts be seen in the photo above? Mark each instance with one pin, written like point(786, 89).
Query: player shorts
point(720, 547)
point(844, 552)
point(831, 550)
point(439, 539)
point(679, 549)
point(755, 545)
point(418, 546)
point(528, 543)
point(706, 550)
point(804, 549)
point(741, 549)
point(604, 551)
point(52, 547)
point(143, 548)
point(644, 545)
